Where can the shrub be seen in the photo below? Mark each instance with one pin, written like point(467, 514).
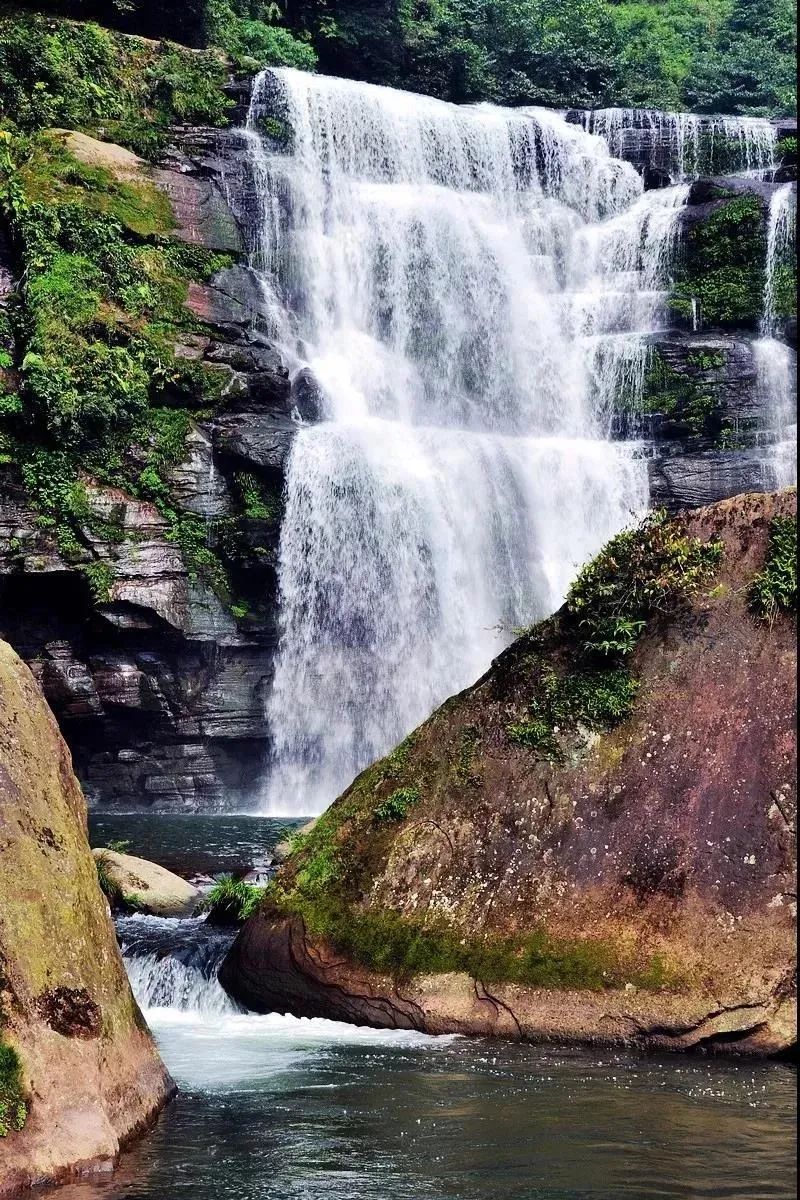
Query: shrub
point(396, 806)
point(653, 568)
point(231, 901)
point(774, 589)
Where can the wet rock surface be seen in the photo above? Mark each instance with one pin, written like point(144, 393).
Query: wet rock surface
point(157, 685)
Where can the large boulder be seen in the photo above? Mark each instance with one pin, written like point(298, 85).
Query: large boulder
point(155, 889)
point(89, 1077)
point(523, 865)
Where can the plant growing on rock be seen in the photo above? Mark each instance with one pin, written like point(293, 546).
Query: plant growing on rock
point(13, 1109)
point(774, 589)
point(398, 805)
point(652, 569)
point(231, 901)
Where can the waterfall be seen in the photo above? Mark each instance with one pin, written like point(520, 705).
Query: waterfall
point(780, 246)
point(776, 363)
point(469, 286)
point(689, 144)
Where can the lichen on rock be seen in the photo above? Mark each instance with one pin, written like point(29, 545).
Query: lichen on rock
point(79, 1072)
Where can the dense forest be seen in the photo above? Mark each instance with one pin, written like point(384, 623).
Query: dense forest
point(735, 56)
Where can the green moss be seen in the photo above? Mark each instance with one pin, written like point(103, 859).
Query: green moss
point(596, 699)
point(386, 942)
point(774, 589)
point(13, 1108)
point(398, 805)
point(464, 772)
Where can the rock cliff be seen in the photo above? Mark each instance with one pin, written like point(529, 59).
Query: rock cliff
point(79, 1073)
point(595, 842)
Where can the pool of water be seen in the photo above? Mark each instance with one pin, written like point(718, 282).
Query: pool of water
point(312, 1110)
point(191, 843)
point(276, 1108)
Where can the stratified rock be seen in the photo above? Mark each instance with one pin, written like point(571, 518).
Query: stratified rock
point(156, 890)
point(665, 844)
point(688, 480)
point(91, 1077)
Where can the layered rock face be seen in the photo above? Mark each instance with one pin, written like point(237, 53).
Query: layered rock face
point(618, 880)
point(156, 682)
point(89, 1077)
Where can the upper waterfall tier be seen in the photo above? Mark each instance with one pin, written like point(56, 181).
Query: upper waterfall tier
point(469, 288)
point(676, 146)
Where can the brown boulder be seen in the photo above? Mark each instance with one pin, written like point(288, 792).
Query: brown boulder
point(655, 860)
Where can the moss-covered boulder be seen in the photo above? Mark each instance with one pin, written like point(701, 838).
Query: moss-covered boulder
point(79, 1072)
point(595, 842)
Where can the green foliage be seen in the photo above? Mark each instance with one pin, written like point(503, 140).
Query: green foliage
point(202, 563)
point(99, 576)
point(724, 266)
point(398, 805)
point(13, 1109)
point(80, 76)
point(597, 699)
point(663, 53)
point(715, 55)
point(774, 589)
point(750, 66)
point(651, 569)
point(258, 501)
point(231, 901)
point(786, 150)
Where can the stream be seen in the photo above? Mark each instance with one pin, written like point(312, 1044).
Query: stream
point(273, 1106)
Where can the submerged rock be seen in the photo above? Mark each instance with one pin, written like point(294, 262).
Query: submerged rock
point(89, 1076)
point(509, 870)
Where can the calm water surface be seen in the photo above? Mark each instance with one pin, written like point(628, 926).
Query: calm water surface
point(275, 1108)
point(188, 843)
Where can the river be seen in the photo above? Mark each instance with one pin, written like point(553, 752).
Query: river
point(272, 1106)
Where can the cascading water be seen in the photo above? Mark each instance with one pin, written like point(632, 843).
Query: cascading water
point(691, 144)
point(173, 964)
point(469, 286)
point(776, 363)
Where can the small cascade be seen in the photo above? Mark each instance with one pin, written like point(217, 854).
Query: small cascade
point(780, 249)
point(776, 363)
point(684, 145)
point(173, 963)
point(469, 288)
